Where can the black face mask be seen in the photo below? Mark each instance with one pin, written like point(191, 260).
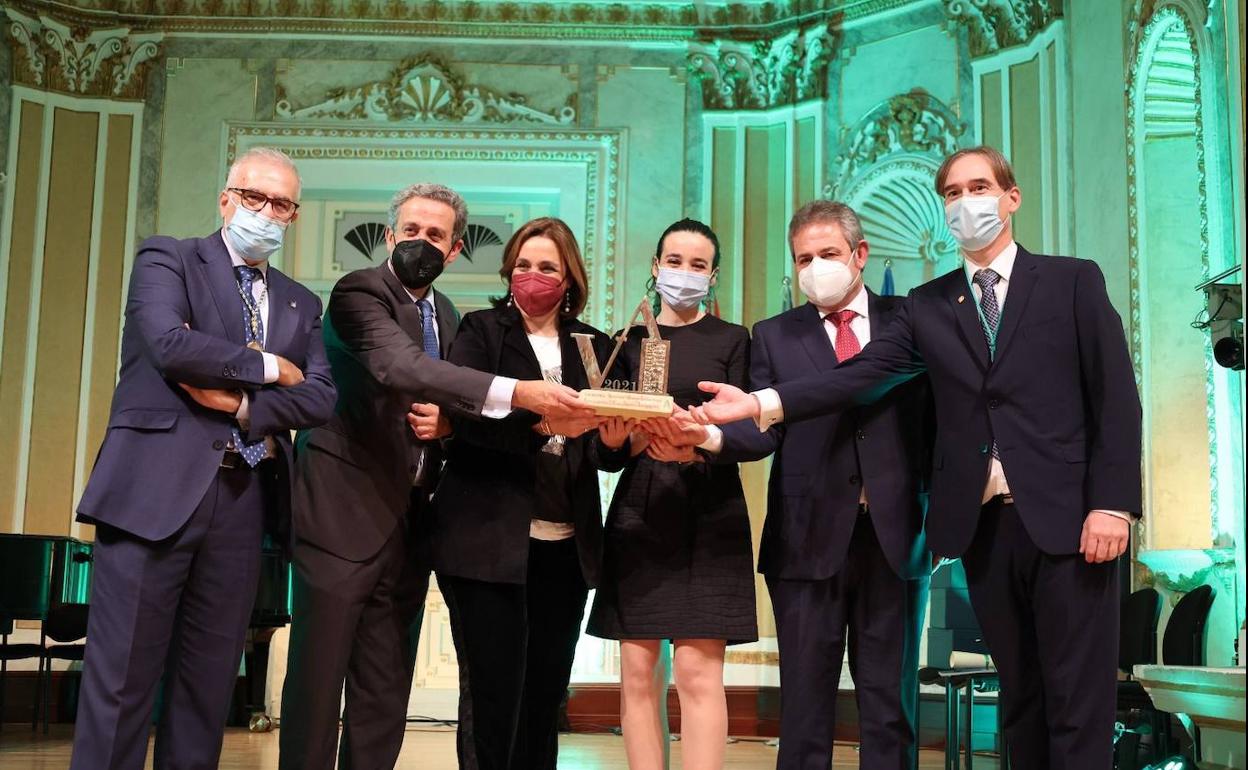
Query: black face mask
point(417, 263)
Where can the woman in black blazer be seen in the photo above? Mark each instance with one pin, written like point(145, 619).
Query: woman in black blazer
point(517, 520)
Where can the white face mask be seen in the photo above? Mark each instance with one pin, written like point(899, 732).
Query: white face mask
point(682, 289)
point(974, 220)
point(827, 282)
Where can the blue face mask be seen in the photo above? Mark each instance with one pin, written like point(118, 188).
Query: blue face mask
point(254, 237)
point(681, 289)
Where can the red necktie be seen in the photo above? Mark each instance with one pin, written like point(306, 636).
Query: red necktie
point(846, 341)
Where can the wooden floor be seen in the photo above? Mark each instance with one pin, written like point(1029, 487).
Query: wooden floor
point(423, 749)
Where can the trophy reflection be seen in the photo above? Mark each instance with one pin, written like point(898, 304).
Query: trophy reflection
point(650, 398)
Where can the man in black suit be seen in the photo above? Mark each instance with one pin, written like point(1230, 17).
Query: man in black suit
point(843, 549)
point(1036, 472)
point(363, 480)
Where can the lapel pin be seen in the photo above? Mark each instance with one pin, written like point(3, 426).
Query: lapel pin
point(961, 299)
point(292, 303)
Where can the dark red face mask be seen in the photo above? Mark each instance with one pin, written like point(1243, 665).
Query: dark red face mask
point(536, 294)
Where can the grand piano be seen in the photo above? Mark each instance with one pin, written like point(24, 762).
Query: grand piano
point(38, 572)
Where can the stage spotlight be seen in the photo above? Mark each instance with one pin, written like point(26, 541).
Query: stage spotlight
point(1229, 350)
point(1222, 317)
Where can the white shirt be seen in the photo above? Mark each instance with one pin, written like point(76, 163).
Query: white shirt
point(550, 359)
point(498, 397)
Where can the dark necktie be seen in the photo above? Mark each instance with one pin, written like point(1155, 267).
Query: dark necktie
point(990, 315)
point(426, 324)
point(253, 324)
point(989, 310)
point(847, 344)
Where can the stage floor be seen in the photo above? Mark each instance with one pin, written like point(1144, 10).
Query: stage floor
point(423, 749)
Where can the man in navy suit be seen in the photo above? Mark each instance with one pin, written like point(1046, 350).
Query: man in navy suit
point(221, 357)
point(1036, 471)
point(843, 549)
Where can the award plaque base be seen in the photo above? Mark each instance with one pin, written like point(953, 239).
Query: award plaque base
point(628, 403)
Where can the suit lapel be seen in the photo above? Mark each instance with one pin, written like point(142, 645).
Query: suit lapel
point(448, 321)
point(962, 302)
point(1022, 281)
point(809, 329)
point(878, 314)
point(570, 358)
point(406, 314)
point(516, 339)
point(219, 272)
point(280, 322)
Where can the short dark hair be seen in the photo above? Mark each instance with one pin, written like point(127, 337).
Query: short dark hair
point(1002, 171)
point(573, 266)
point(821, 211)
point(688, 225)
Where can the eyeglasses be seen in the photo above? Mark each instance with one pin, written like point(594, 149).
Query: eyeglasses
point(254, 200)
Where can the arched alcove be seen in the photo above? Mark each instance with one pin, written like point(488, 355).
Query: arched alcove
point(886, 172)
point(1170, 256)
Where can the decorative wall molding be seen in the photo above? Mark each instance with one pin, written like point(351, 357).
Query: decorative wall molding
point(597, 150)
point(1181, 571)
point(1165, 32)
point(886, 172)
point(654, 20)
point(423, 89)
point(914, 123)
point(997, 24)
point(49, 54)
point(785, 70)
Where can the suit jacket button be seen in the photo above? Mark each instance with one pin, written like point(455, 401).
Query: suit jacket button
point(993, 404)
point(218, 444)
point(862, 434)
point(855, 479)
point(226, 371)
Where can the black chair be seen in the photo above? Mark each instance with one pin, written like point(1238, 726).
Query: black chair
point(15, 652)
point(65, 624)
point(1182, 644)
point(1136, 735)
point(1184, 641)
point(1137, 629)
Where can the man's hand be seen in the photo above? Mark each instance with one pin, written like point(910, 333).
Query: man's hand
point(729, 405)
point(614, 432)
point(287, 373)
point(226, 401)
point(1104, 538)
point(427, 422)
point(549, 399)
point(678, 430)
point(665, 452)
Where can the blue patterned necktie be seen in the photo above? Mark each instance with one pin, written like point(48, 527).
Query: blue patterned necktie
point(990, 315)
point(253, 324)
point(426, 324)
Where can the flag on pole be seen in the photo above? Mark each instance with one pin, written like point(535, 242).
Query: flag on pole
point(887, 288)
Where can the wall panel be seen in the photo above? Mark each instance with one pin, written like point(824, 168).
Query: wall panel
point(13, 350)
point(62, 315)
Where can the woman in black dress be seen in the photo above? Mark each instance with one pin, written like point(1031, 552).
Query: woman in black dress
point(677, 562)
point(516, 529)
